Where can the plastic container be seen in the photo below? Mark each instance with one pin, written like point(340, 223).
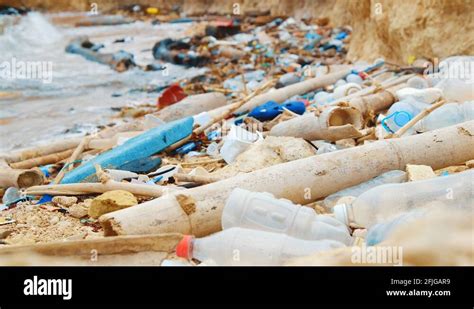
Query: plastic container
point(262, 211)
point(395, 176)
point(401, 113)
point(446, 115)
point(387, 201)
point(426, 95)
point(238, 246)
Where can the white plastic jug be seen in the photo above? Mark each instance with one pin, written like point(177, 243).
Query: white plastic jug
point(387, 201)
point(238, 246)
point(262, 211)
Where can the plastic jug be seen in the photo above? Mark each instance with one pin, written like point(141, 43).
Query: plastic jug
point(238, 246)
point(262, 211)
point(401, 113)
point(446, 115)
point(395, 176)
point(387, 201)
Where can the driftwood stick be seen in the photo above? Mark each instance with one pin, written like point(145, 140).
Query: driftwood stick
point(43, 160)
point(195, 178)
point(104, 246)
point(88, 188)
point(79, 149)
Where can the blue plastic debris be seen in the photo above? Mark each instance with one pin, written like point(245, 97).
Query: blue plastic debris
point(187, 148)
point(139, 147)
point(45, 199)
point(271, 109)
point(141, 166)
point(341, 35)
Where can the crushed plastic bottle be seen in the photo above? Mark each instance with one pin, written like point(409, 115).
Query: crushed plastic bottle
point(387, 201)
point(262, 211)
point(446, 115)
point(395, 176)
point(238, 246)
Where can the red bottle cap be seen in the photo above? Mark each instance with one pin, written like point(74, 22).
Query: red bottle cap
point(184, 248)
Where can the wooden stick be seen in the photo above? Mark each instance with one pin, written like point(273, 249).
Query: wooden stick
point(102, 246)
point(195, 178)
point(79, 149)
point(88, 188)
point(43, 160)
point(415, 119)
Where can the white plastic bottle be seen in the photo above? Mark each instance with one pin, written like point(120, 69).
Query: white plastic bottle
point(238, 246)
point(387, 201)
point(262, 211)
point(446, 115)
point(395, 176)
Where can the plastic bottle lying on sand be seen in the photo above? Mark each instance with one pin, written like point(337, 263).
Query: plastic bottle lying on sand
point(387, 201)
point(446, 115)
point(238, 246)
point(262, 211)
point(395, 176)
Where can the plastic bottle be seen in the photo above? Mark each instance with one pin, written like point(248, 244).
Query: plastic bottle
point(262, 211)
point(387, 201)
point(425, 95)
point(238, 246)
point(381, 231)
point(401, 113)
point(446, 115)
point(395, 176)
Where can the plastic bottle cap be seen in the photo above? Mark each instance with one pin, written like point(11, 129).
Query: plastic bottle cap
point(184, 248)
point(340, 212)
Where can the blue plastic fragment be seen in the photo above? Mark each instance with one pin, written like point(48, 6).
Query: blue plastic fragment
point(187, 148)
point(341, 35)
point(271, 109)
point(45, 199)
point(141, 166)
point(139, 147)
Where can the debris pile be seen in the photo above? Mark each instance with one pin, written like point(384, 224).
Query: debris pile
point(281, 149)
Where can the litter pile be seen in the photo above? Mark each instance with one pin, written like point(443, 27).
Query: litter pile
point(282, 149)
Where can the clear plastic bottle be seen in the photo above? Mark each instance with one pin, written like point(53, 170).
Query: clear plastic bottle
point(387, 201)
point(395, 176)
point(401, 113)
point(238, 246)
point(381, 231)
point(446, 115)
point(262, 211)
